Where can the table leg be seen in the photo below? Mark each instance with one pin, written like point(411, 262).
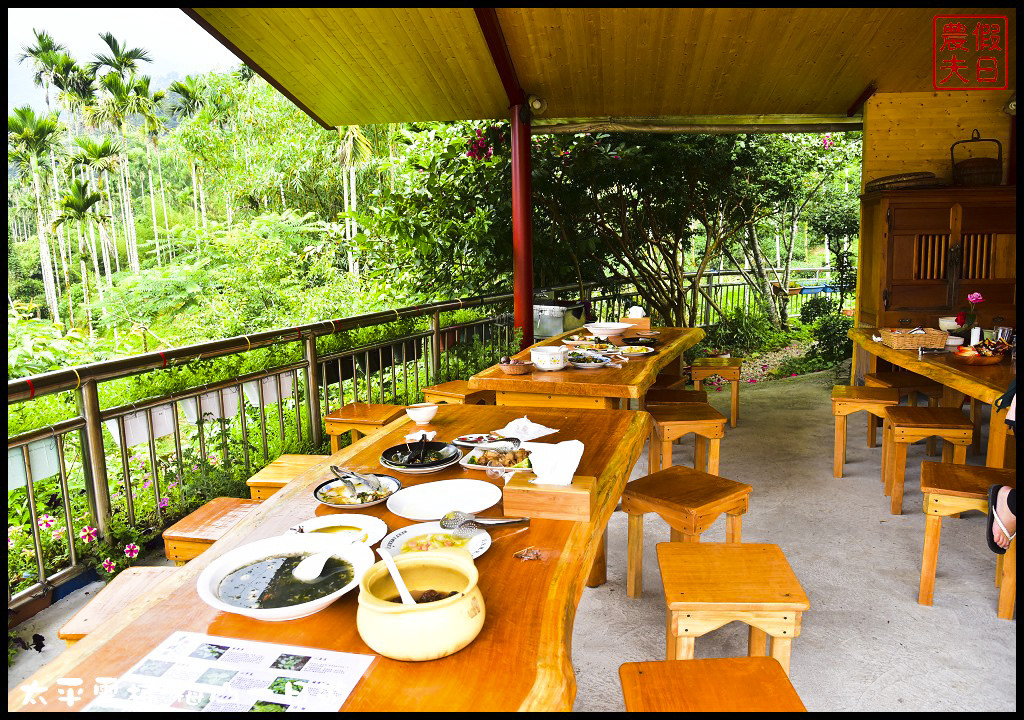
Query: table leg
point(839, 451)
point(734, 415)
point(635, 560)
point(1008, 587)
point(930, 557)
point(997, 455)
point(599, 570)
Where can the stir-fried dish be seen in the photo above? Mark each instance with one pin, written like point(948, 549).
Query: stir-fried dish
point(502, 458)
point(433, 541)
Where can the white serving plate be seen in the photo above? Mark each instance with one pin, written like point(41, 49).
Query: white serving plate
point(505, 471)
point(393, 484)
point(476, 545)
point(591, 366)
point(373, 527)
point(359, 555)
point(607, 329)
point(432, 500)
point(635, 350)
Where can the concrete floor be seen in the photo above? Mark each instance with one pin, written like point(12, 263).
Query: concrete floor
point(865, 643)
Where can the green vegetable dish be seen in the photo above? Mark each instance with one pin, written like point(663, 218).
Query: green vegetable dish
point(269, 583)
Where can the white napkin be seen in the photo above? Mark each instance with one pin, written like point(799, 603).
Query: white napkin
point(416, 436)
point(876, 338)
point(524, 429)
point(554, 464)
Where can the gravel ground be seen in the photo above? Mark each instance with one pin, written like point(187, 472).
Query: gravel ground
point(758, 368)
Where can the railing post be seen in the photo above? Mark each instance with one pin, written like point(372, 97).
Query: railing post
point(435, 345)
point(313, 390)
point(93, 458)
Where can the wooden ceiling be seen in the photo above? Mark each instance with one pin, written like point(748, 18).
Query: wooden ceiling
point(683, 65)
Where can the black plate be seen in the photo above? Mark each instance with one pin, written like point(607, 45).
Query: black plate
point(642, 341)
point(392, 454)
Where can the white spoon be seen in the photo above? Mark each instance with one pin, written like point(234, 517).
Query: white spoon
point(309, 569)
point(403, 591)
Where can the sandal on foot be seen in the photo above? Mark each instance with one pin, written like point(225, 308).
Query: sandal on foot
point(993, 496)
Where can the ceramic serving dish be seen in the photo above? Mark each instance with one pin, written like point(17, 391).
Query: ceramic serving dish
point(366, 529)
point(421, 413)
point(325, 489)
point(607, 329)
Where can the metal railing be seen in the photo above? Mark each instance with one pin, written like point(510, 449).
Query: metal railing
point(196, 440)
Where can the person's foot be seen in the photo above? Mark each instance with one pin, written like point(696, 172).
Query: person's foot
point(1008, 519)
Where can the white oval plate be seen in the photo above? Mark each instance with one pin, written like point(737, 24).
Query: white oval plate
point(430, 501)
point(628, 350)
point(476, 545)
point(373, 528)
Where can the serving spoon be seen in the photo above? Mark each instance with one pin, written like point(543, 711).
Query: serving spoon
point(403, 591)
point(308, 570)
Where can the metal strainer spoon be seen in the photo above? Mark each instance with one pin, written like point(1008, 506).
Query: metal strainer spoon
point(456, 518)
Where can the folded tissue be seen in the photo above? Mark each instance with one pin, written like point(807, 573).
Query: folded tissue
point(554, 464)
point(524, 429)
point(419, 434)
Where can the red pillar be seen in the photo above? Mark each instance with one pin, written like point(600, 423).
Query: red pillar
point(522, 223)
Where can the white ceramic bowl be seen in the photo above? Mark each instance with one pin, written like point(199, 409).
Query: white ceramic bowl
point(374, 528)
point(550, 357)
point(421, 413)
point(608, 329)
point(953, 341)
point(358, 554)
point(948, 323)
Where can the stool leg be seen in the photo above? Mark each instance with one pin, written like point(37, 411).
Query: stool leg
point(654, 453)
point(696, 383)
point(700, 453)
point(757, 642)
point(886, 455)
point(872, 428)
point(734, 415)
point(929, 558)
point(947, 451)
point(839, 453)
point(335, 444)
point(734, 529)
point(780, 649)
point(999, 569)
point(960, 454)
point(1008, 588)
point(355, 436)
point(931, 447)
point(976, 420)
point(635, 555)
point(666, 455)
point(897, 471)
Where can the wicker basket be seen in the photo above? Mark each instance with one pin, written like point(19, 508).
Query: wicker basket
point(980, 170)
point(903, 340)
point(517, 369)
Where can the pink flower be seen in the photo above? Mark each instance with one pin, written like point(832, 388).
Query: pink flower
point(47, 521)
point(764, 367)
point(751, 380)
point(718, 389)
point(88, 534)
point(827, 142)
point(164, 502)
point(975, 298)
point(131, 550)
point(793, 375)
point(57, 534)
point(109, 566)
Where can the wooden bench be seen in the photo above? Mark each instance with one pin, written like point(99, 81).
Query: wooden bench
point(279, 473)
point(193, 534)
point(689, 501)
point(848, 399)
point(708, 585)
point(906, 425)
point(909, 385)
point(750, 684)
point(948, 491)
point(672, 422)
point(359, 418)
point(118, 595)
point(727, 369)
point(457, 392)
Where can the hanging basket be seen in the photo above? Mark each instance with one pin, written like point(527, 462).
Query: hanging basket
point(977, 171)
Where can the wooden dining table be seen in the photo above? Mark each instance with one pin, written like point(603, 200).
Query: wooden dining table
point(984, 383)
point(521, 658)
point(604, 387)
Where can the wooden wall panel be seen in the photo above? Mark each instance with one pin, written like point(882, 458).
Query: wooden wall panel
point(910, 132)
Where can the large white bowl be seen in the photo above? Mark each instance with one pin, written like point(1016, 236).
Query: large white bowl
point(358, 554)
point(608, 329)
point(948, 323)
point(421, 413)
point(374, 527)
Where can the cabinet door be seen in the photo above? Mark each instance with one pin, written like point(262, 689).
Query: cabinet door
point(918, 276)
point(986, 258)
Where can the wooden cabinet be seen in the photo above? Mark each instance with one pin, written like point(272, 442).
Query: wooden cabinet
point(923, 251)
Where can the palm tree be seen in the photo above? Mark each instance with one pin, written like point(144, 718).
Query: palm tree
point(147, 103)
point(99, 157)
point(189, 101)
point(44, 55)
point(29, 138)
point(77, 206)
point(121, 60)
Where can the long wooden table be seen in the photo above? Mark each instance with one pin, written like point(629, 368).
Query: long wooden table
point(597, 388)
point(980, 382)
point(521, 659)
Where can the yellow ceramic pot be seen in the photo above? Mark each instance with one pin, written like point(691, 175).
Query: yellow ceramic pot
point(423, 631)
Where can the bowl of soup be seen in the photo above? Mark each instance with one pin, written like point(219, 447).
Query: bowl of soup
point(256, 579)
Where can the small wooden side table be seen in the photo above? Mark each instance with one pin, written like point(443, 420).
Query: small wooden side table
point(708, 585)
point(278, 473)
point(360, 418)
point(750, 684)
point(457, 392)
point(725, 368)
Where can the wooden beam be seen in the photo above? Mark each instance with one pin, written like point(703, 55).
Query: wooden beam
point(488, 20)
point(858, 104)
point(603, 126)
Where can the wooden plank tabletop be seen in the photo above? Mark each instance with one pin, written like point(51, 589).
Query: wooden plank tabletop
point(982, 382)
point(629, 381)
point(520, 660)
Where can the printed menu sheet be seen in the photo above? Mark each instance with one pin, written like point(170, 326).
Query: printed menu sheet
point(202, 673)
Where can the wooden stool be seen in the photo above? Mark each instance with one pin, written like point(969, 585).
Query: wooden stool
point(457, 392)
point(279, 473)
point(905, 425)
point(847, 399)
point(665, 396)
point(953, 489)
point(668, 382)
point(909, 385)
point(727, 369)
point(671, 422)
point(193, 534)
point(750, 684)
point(360, 418)
point(118, 595)
point(689, 501)
point(708, 585)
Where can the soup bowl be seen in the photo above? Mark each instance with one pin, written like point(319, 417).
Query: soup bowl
point(358, 555)
point(421, 413)
point(423, 631)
